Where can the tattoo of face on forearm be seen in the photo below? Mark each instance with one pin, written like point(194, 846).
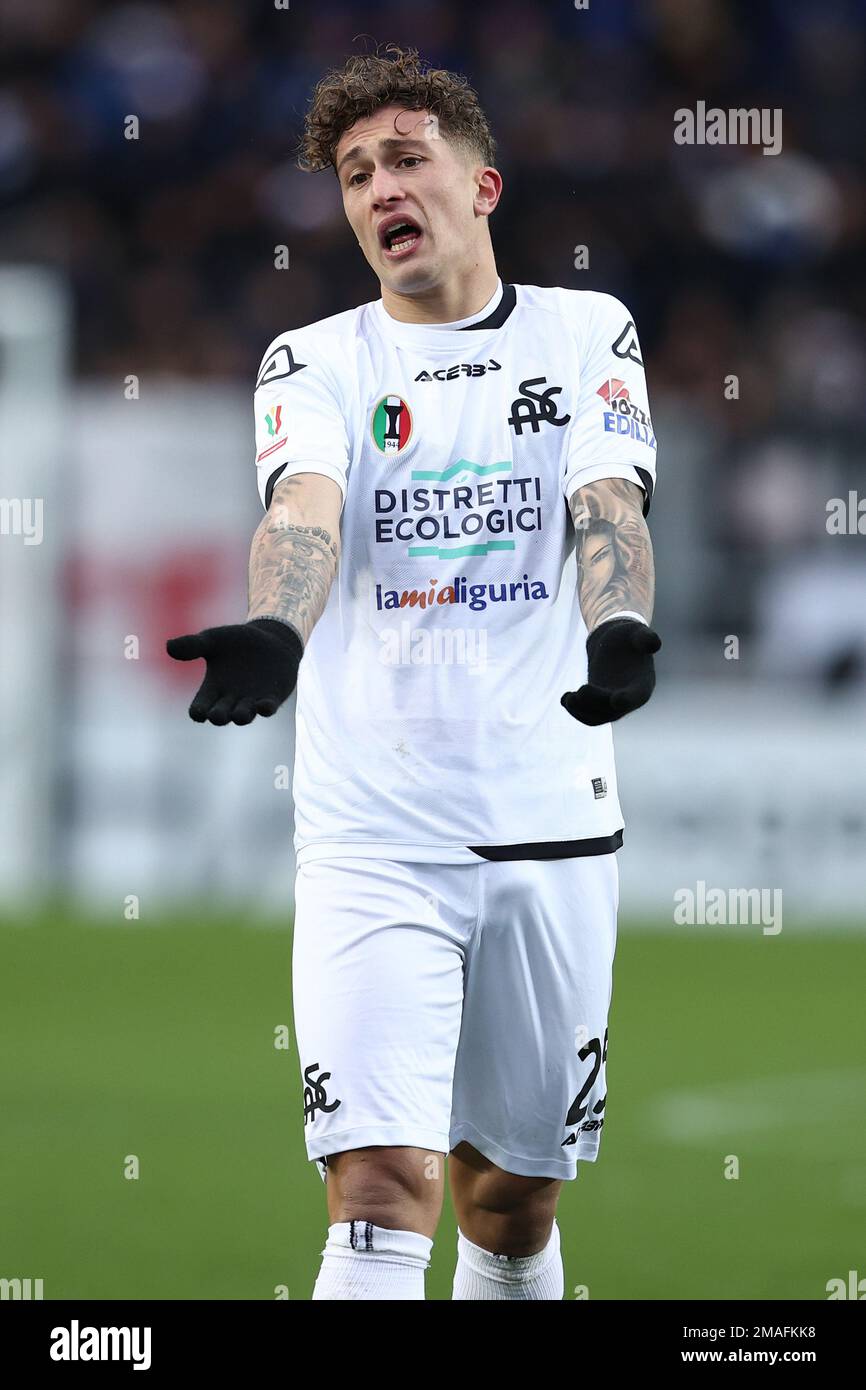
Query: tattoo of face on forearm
point(614, 550)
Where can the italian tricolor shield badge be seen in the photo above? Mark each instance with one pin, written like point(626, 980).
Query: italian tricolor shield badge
point(391, 425)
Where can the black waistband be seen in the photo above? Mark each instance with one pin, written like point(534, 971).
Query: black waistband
point(552, 849)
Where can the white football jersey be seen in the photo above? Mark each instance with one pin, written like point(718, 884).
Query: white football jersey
point(429, 724)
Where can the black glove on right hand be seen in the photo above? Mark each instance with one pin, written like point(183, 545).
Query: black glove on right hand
point(251, 669)
point(621, 672)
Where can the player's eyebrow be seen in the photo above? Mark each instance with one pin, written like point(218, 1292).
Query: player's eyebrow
point(388, 142)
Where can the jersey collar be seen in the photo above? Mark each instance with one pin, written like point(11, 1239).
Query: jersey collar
point(499, 313)
point(487, 321)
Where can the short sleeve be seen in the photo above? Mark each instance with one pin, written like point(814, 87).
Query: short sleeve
point(611, 433)
point(300, 418)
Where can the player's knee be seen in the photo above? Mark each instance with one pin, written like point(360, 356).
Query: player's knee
point(502, 1211)
point(517, 1199)
point(479, 1182)
point(385, 1185)
point(509, 1219)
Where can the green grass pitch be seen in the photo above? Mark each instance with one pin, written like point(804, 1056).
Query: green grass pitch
point(157, 1040)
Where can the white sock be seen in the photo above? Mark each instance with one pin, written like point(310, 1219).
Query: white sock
point(363, 1261)
point(481, 1275)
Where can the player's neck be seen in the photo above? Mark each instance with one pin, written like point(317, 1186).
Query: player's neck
point(448, 303)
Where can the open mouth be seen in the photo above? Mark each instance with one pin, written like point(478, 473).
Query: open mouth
point(400, 239)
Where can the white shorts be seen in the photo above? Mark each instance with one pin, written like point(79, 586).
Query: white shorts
point(435, 1003)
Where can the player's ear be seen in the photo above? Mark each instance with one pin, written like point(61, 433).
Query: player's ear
point(488, 191)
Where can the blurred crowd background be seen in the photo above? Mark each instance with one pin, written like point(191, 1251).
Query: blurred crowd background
point(153, 260)
point(732, 262)
point(138, 291)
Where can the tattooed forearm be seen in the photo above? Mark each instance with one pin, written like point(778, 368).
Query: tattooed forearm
point(292, 564)
point(614, 550)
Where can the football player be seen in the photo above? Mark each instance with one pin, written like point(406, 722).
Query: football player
point(454, 565)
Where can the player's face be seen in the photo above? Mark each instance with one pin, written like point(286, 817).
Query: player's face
point(392, 165)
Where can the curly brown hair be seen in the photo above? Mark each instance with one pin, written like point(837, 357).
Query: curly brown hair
point(369, 81)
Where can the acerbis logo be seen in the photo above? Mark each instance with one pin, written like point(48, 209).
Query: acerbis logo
point(472, 369)
point(587, 1127)
point(535, 407)
point(391, 425)
point(280, 364)
point(626, 345)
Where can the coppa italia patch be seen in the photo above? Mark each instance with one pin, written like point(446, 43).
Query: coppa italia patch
point(391, 425)
point(272, 420)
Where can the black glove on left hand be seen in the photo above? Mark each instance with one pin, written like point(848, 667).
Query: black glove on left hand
point(251, 669)
point(621, 675)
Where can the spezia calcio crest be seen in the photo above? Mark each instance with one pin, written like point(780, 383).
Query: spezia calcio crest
point(391, 425)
